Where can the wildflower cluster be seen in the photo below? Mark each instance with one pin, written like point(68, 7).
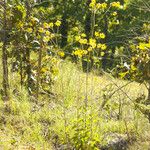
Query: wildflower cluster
point(116, 4)
point(102, 46)
point(61, 54)
point(142, 59)
point(58, 23)
point(42, 31)
point(144, 46)
point(45, 31)
point(99, 35)
point(75, 29)
point(44, 28)
point(90, 45)
point(41, 38)
point(97, 6)
point(83, 41)
point(101, 5)
point(146, 27)
point(139, 67)
point(93, 3)
point(80, 52)
point(114, 13)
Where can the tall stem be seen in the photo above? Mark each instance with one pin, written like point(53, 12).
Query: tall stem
point(149, 92)
point(28, 69)
point(39, 72)
point(149, 100)
point(4, 54)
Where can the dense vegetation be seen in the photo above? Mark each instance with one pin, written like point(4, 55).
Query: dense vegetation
point(75, 74)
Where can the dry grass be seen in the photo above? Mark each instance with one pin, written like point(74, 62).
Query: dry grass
point(57, 116)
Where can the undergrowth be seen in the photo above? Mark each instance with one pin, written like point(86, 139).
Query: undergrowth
point(81, 112)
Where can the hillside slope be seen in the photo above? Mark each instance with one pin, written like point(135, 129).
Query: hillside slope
point(81, 111)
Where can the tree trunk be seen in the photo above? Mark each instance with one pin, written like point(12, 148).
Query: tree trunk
point(64, 31)
point(21, 71)
point(28, 69)
point(4, 55)
point(87, 66)
point(148, 100)
point(88, 20)
point(104, 60)
point(149, 92)
point(39, 72)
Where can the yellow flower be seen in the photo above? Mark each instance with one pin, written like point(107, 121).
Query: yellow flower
point(101, 6)
point(133, 67)
point(96, 33)
point(77, 38)
point(41, 30)
point(46, 38)
point(103, 47)
point(148, 45)
point(83, 35)
point(83, 41)
point(114, 13)
point(61, 54)
point(90, 49)
point(102, 54)
point(116, 4)
point(133, 47)
point(52, 36)
point(93, 1)
point(34, 20)
point(51, 24)
point(29, 30)
point(99, 45)
point(58, 23)
point(102, 35)
point(20, 25)
point(104, 5)
point(142, 46)
point(98, 5)
point(45, 25)
point(76, 29)
point(80, 52)
point(85, 52)
point(43, 70)
point(92, 4)
point(47, 33)
point(92, 43)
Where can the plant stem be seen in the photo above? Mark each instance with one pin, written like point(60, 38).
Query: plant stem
point(4, 54)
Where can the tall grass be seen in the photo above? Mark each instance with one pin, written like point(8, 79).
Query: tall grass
point(62, 121)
